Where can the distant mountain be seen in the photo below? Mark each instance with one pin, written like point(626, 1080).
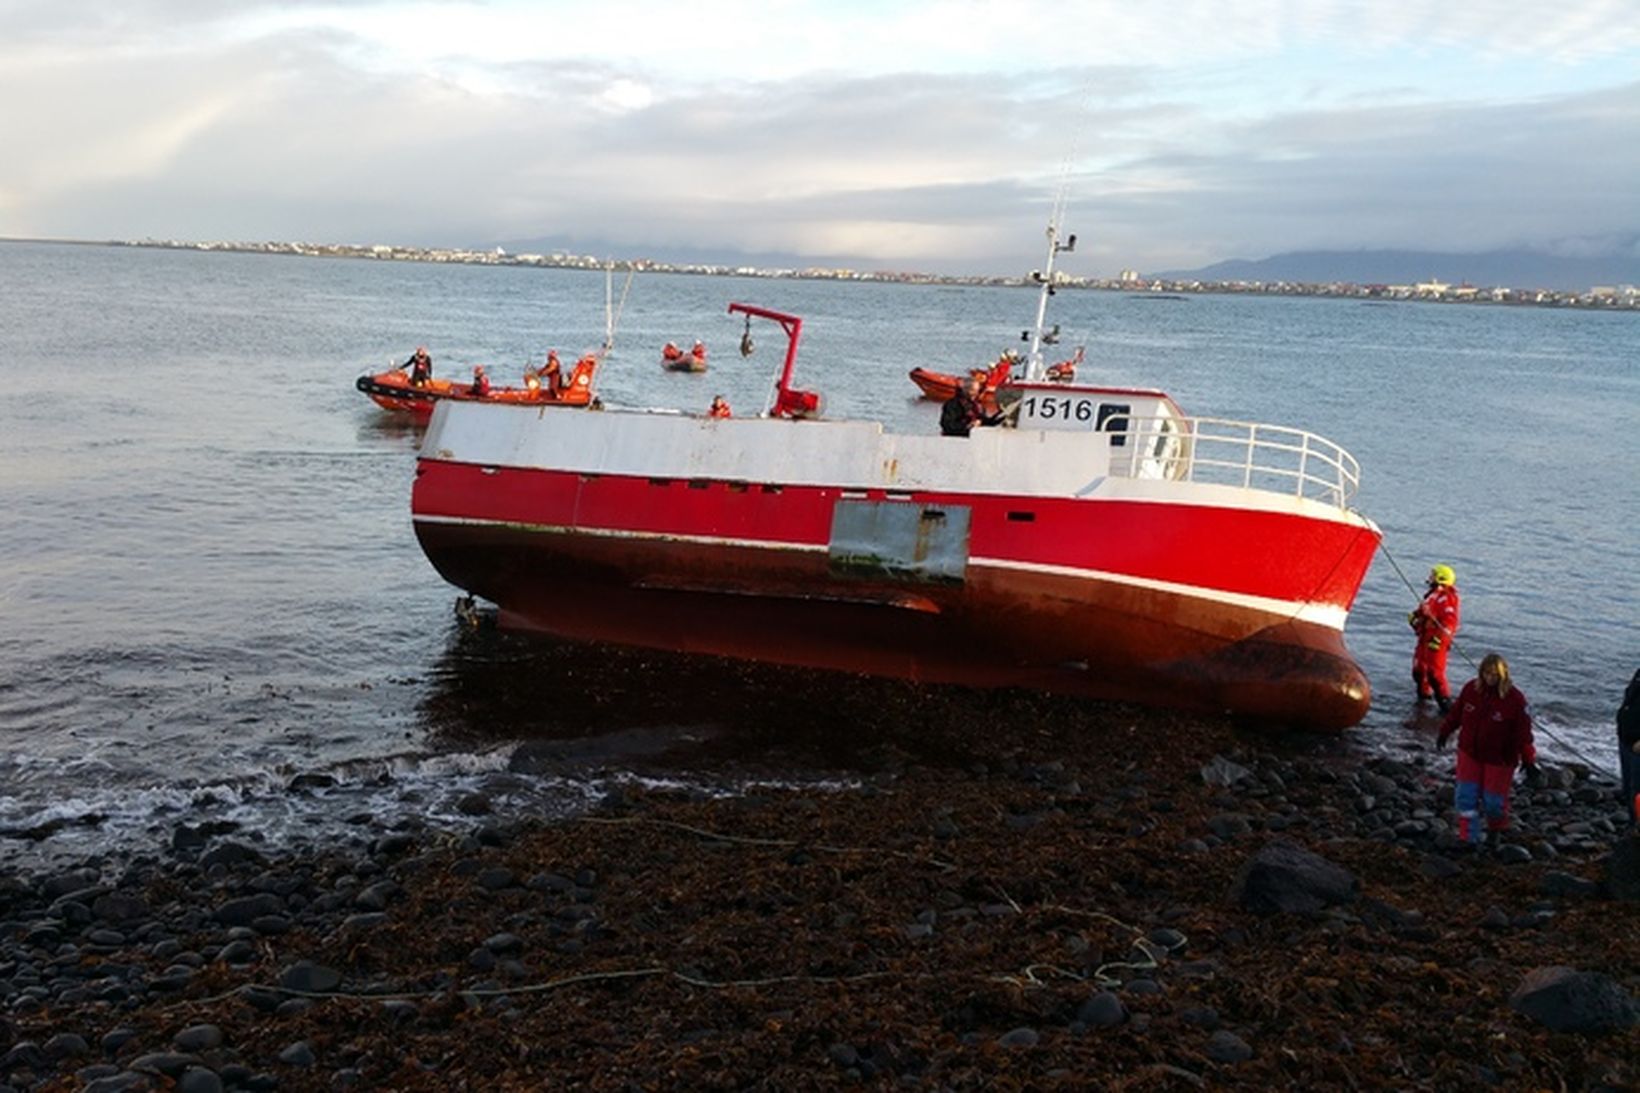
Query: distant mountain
point(1509, 268)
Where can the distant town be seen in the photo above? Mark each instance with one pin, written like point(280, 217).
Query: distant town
point(1610, 297)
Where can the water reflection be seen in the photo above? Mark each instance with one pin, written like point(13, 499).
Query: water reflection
point(386, 425)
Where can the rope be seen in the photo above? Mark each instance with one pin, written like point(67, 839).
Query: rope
point(1540, 726)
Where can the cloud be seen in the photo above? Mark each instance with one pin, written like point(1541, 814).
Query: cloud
point(911, 135)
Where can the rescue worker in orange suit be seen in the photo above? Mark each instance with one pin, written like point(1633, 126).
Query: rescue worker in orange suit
point(481, 382)
point(670, 352)
point(420, 365)
point(719, 407)
point(553, 373)
point(1435, 621)
point(962, 411)
point(998, 373)
point(1494, 727)
point(698, 351)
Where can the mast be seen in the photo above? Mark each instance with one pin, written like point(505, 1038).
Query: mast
point(612, 311)
point(1034, 369)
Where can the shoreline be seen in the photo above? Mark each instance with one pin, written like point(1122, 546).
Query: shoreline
point(1046, 905)
point(1590, 299)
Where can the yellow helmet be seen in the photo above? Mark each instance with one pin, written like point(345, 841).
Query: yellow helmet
point(1443, 575)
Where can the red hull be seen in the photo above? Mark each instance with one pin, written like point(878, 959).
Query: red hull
point(1114, 599)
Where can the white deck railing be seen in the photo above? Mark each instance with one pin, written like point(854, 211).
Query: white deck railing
point(1235, 453)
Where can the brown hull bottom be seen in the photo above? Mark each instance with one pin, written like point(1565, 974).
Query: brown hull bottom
point(997, 628)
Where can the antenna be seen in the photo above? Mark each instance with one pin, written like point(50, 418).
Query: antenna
point(612, 317)
point(1033, 361)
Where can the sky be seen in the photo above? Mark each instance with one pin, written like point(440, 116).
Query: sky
point(936, 135)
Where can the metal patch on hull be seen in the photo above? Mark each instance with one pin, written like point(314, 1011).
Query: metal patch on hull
point(899, 541)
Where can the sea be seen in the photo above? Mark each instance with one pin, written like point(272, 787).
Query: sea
point(213, 608)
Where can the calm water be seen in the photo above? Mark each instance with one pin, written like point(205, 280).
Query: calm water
point(209, 582)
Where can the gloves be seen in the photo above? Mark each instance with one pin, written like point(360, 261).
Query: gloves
point(1412, 619)
point(1434, 643)
point(1440, 741)
point(1533, 774)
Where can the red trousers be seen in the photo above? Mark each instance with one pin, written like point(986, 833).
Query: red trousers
point(1429, 671)
point(1482, 788)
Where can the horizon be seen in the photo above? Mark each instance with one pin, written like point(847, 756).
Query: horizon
point(1427, 264)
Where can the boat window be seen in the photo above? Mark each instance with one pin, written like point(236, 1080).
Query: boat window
point(1113, 418)
point(699, 483)
point(1022, 517)
point(660, 481)
point(768, 488)
point(933, 514)
point(738, 487)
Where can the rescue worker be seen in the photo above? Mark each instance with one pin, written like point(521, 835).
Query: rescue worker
point(420, 365)
point(670, 352)
point(1494, 727)
point(1435, 621)
point(962, 410)
point(999, 372)
point(553, 373)
point(1628, 746)
point(481, 382)
point(698, 351)
point(719, 407)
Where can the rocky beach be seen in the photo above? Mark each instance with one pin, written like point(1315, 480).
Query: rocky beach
point(962, 890)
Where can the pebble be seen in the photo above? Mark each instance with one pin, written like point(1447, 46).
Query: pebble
point(197, 1038)
point(199, 1080)
point(308, 977)
point(1103, 1010)
point(1225, 1046)
point(298, 1054)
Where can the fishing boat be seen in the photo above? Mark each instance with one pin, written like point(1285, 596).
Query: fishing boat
point(393, 390)
point(1099, 542)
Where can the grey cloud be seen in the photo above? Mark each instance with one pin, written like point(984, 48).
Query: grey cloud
point(302, 145)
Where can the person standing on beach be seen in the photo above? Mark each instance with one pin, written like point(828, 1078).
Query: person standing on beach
point(1494, 730)
point(1628, 746)
point(1435, 621)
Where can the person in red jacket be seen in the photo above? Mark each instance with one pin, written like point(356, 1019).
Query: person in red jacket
point(481, 382)
point(1494, 730)
point(1435, 621)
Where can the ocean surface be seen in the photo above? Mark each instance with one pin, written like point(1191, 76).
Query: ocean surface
point(210, 589)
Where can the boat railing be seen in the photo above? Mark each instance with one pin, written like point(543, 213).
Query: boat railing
point(1251, 455)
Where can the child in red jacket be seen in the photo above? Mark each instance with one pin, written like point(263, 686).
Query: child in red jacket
point(1494, 737)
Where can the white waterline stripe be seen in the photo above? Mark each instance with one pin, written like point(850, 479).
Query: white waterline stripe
point(1321, 614)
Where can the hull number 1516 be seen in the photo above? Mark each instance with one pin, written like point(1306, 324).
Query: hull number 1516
point(1062, 408)
point(1075, 412)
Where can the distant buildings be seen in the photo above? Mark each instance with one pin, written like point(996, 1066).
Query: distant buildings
point(1620, 297)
